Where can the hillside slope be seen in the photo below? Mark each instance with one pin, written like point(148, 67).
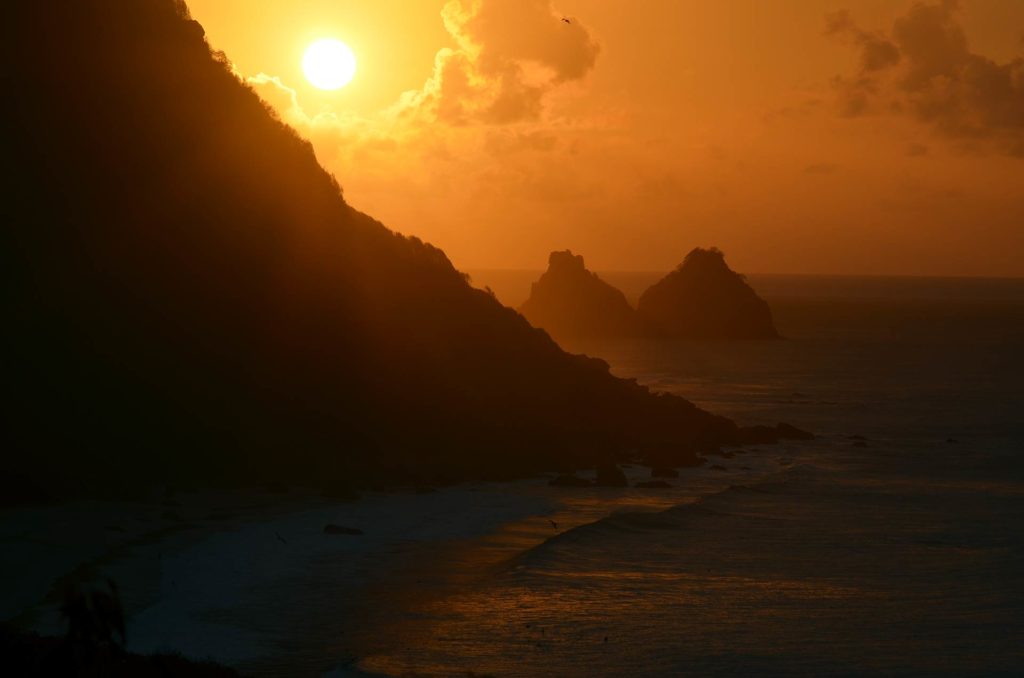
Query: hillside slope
point(190, 299)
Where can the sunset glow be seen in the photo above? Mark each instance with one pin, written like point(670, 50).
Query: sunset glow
point(329, 64)
point(582, 338)
point(521, 133)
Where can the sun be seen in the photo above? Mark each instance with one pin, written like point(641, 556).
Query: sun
point(329, 64)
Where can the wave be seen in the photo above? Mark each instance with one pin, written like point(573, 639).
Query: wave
point(727, 502)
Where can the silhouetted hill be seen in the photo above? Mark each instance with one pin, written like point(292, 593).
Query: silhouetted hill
point(570, 302)
point(705, 299)
point(28, 655)
point(188, 298)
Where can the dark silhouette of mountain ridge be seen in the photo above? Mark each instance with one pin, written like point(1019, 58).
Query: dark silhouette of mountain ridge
point(569, 302)
point(704, 299)
point(190, 299)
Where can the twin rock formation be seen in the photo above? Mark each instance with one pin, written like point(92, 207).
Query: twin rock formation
point(701, 299)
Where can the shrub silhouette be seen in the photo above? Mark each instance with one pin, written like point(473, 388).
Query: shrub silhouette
point(94, 614)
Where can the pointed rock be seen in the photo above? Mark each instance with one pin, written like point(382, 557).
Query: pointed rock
point(570, 302)
point(705, 299)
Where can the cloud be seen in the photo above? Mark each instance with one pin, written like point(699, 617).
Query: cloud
point(509, 56)
point(924, 68)
point(487, 99)
point(488, 127)
point(282, 99)
point(876, 51)
point(529, 31)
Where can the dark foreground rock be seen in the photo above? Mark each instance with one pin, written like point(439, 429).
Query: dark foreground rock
point(94, 641)
point(31, 655)
point(705, 299)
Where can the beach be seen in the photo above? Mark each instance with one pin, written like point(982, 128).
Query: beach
point(250, 579)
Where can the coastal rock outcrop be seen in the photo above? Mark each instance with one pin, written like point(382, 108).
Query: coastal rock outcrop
point(705, 299)
point(570, 302)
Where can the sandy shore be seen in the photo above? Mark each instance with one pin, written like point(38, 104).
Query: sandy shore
point(127, 541)
point(250, 579)
point(215, 575)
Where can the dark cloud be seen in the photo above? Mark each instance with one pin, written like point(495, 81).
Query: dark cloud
point(924, 68)
point(876, 51)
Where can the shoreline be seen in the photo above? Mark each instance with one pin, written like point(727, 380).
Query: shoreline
point(52, 544)
point(183, 580)
point(249, 579)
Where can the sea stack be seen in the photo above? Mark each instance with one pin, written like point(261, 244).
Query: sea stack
point(570, 302)
point(705, 299)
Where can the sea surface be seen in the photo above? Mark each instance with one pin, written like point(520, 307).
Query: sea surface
point(893, 544)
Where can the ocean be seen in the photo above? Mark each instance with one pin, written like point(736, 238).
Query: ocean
point(893, 544)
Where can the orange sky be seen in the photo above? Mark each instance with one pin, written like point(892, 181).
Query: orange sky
point(798, 138)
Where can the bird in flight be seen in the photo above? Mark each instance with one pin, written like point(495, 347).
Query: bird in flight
point(566, 20)
point(553, 523)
